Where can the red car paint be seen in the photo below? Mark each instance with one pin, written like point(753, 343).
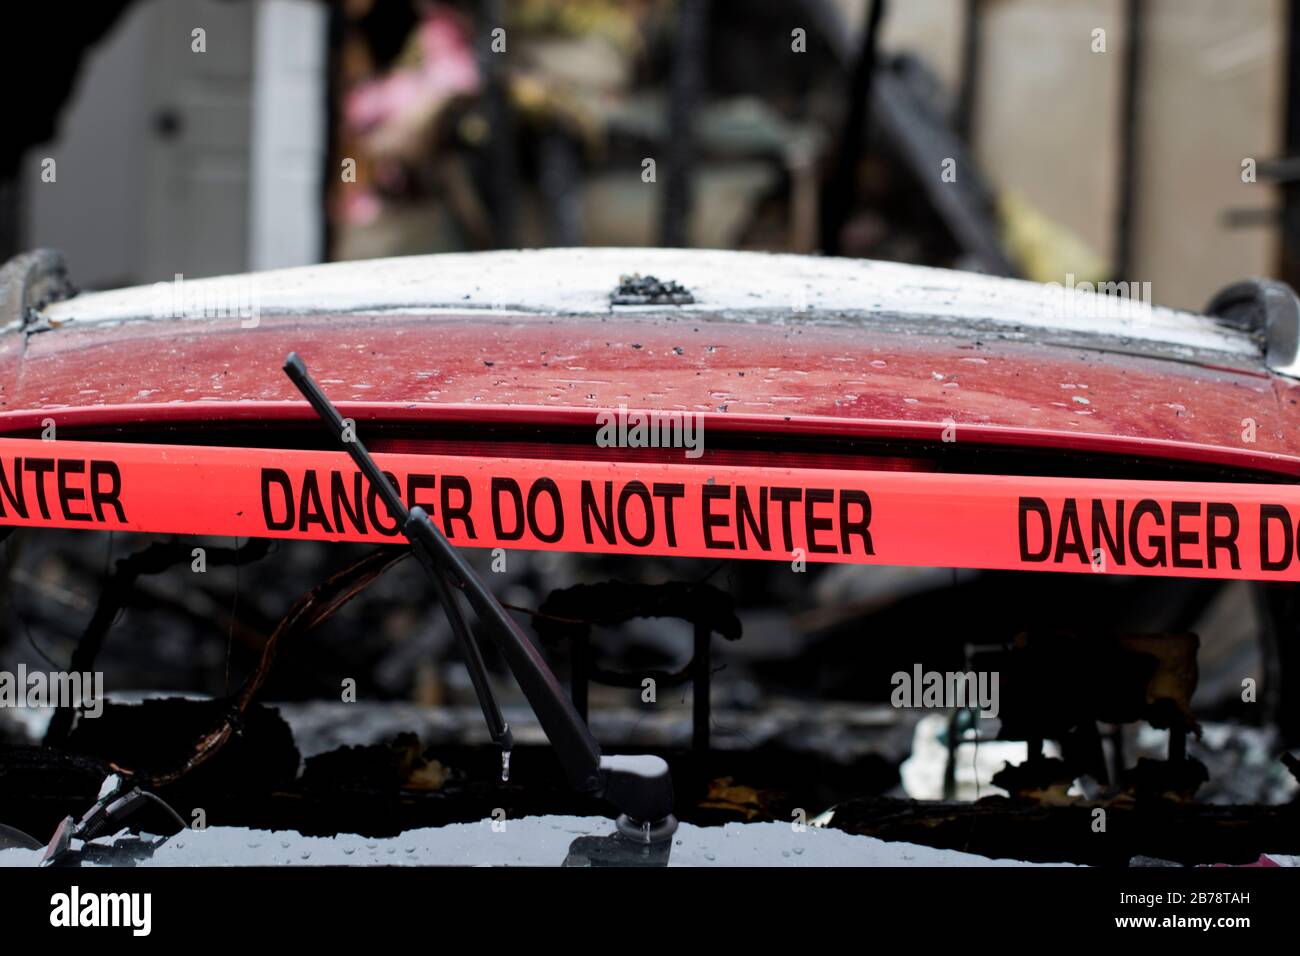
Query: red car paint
point(800, 377)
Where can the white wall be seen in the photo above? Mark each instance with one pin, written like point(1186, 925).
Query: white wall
point(236, 187)
point(289, 133)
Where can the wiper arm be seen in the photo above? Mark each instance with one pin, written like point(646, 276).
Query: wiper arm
point(640, 787)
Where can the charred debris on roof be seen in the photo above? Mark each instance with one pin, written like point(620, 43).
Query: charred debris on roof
point(637, 289)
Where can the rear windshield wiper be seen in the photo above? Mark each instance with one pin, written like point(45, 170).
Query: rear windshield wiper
point(639, 786)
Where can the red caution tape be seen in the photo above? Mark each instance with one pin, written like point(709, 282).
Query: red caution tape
point(1187, 529)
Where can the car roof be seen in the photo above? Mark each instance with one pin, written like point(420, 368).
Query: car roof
point(771, 343)
point(741, 286)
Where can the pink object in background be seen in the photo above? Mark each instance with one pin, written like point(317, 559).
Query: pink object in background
point(447, 68)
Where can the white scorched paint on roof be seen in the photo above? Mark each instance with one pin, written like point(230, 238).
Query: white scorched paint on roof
point(579, 281)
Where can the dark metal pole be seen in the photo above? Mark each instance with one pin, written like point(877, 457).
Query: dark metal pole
point(1130, 109)
point(684, 95)
point(1289, 252)
point(971, 48)
point(331, 106)
point(501, 130)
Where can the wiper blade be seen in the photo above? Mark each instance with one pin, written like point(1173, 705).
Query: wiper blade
point(640, 787)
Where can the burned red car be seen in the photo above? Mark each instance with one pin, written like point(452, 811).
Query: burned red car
point(821, 493)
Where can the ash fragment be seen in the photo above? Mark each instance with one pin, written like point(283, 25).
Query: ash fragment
point(647, 290)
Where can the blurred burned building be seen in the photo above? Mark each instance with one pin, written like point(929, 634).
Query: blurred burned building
point(1009, 136)
point(1006, 137)
point(652, 123)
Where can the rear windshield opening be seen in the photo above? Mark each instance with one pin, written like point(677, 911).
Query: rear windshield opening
point(985, 712)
